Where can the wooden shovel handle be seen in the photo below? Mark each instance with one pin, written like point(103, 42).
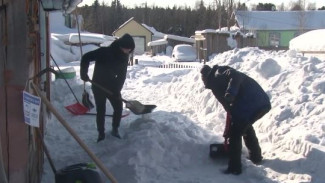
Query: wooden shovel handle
point(74, 134)
point(105, 90)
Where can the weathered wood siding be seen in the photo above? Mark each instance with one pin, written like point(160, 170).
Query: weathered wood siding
point(19, 59)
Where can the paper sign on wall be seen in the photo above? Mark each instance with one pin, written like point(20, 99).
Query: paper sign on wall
point(32, 106)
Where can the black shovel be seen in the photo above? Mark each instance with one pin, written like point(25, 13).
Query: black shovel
point(85, 99)
point(135, 106)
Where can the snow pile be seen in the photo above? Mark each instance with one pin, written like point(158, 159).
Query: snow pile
point(172, 143)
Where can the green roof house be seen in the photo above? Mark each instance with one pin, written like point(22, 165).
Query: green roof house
point(274, 29)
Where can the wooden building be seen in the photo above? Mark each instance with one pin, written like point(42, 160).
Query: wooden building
point(210, 42)
point(24, 52)
point(140, 34)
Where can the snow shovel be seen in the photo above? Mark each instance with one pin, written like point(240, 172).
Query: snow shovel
point(135, 106)
point(85, 99)
point(77, 108)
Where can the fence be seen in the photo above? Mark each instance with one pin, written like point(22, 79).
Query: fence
point(178, 65)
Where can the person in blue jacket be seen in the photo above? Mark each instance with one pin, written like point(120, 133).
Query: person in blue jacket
point(245, 102)
point(110, 72)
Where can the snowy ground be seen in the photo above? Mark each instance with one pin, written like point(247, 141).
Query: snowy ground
point(172, 143)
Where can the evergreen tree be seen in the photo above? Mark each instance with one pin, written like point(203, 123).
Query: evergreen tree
point(241, 7)
point(182, 21)
point(322, 8)
point(265, 7)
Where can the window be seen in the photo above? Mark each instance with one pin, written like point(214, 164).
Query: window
point(274, 39)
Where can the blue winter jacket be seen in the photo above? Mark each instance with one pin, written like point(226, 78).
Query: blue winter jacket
point(249, 101)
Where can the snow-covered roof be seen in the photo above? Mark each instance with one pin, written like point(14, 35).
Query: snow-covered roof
point(90, 38)
point(154, 31)
point(128, 21)
point(164, 37)
point(221, 30)
point(157, 42)
point(179, 38)
point(66, 5)
point(280, 20)
point(171, 37)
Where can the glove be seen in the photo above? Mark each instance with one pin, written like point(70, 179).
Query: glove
point(85, 77)
point(229, 98)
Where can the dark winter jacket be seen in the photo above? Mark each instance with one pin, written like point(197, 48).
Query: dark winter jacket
point(239, 94)
point(110, 64)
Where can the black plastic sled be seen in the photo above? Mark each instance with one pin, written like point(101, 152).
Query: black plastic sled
point(78, 173)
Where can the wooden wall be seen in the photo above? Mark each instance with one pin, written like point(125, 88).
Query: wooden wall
point(19, 58)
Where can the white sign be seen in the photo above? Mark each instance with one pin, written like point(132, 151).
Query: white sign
point(32, 106)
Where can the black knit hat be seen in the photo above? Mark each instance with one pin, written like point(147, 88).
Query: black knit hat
point(205, 70)
point(126, 41)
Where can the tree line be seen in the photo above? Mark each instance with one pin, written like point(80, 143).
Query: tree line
point(183, 21)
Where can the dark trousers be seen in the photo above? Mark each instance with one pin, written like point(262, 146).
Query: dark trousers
point(100, 101)
point(235, 144)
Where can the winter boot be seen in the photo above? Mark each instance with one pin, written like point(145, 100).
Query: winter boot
point(256, 159)
point(115, 133)
point(101, 136)
point(234, 171)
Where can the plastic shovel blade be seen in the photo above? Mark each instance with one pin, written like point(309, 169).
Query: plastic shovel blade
point(86, 101)
point(137, 108)
point(77, 109)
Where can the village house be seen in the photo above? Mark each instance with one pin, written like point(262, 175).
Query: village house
point(275, 29)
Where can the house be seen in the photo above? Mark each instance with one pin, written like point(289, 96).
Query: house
point(211, 41)
point(168, 41)
point(163, 43)
point(140, 34)
point(274, 29)
point(24, 52)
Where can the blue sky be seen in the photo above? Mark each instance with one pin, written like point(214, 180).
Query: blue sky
point(191, 3)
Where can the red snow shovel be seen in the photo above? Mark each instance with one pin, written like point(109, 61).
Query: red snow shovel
point(77, 108)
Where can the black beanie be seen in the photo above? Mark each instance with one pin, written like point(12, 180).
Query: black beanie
point(126, 41)
point(205, 70)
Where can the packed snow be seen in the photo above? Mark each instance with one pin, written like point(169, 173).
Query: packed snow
point(171, 144)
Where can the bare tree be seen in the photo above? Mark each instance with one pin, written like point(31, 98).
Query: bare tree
point(311, 6)
point(281, 7)
point(298, 5)
point(229, 5)
point(219, 12)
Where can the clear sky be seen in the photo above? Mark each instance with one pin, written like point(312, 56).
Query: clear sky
point(191, 3)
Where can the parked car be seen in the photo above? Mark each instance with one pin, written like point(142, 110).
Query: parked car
point(184, 53)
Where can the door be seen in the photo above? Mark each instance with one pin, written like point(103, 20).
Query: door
point(140, 43)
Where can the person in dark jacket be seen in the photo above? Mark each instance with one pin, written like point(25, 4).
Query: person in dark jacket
point(110, 72)
point(245, 102)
